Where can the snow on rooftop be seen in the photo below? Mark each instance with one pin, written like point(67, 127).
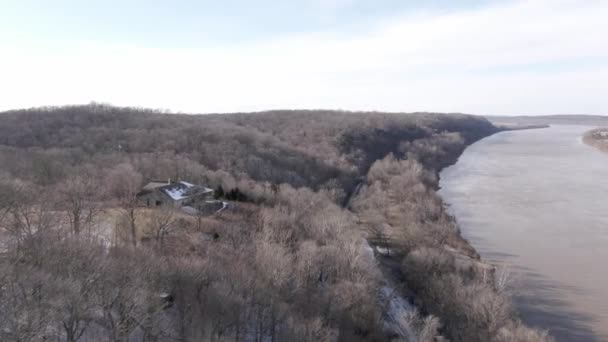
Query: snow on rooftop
point(176, 193)
point(182, 190)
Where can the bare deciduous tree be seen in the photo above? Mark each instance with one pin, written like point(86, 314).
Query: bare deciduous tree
point(124, 184)
point(24, 306)
point(77, 195)
point(124, 297)
point(162, 222)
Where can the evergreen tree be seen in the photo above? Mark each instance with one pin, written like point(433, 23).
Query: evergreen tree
point(219, 192)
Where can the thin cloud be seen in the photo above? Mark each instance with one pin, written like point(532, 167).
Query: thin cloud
point(486, 60)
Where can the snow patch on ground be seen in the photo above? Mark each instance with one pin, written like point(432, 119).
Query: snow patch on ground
point(395, 307)
point(383, 250)
point(224, 206)
point(396, 310)
point(194, 211)
point(190, 210)
point(368, 251)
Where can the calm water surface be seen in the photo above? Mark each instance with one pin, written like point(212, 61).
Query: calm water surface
point(537, 200)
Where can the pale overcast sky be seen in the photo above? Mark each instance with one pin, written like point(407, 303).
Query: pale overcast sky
point(481, 57)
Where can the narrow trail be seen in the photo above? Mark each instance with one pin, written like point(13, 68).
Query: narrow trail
point(396, 306)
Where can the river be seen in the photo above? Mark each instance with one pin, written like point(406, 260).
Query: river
point(536, 202)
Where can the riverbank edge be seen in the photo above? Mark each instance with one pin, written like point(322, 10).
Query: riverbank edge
point(499, 128)
point(600, 144)
point(477, 257)
point(443, 275)
point(519, 127)
point(452, 160)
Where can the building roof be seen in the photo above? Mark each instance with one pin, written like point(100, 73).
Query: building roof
point(182, 190)
point(176, 191)
point(154, 185)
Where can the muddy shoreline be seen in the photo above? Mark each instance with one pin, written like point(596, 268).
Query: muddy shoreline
point(597, 138)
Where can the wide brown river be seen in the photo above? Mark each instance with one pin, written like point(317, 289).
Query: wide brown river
point(537, 202)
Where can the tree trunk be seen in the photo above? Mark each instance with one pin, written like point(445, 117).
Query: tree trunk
point(237, 334)
point(76, 222)
point(70, 332)
point(132, 226)
point(273, 323)
point(70, 336)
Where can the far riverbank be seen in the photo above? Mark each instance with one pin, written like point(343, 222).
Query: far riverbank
point(597, 138)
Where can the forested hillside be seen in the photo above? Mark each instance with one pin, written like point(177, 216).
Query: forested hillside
point(334, 208)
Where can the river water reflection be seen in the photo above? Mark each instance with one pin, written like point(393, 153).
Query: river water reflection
point(537, 200)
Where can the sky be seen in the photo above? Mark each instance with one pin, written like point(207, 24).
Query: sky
point(493, 57)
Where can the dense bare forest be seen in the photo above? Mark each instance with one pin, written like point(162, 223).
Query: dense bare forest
point(334, 231)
